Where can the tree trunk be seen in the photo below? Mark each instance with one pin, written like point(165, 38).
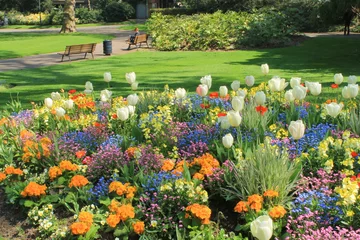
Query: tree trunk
point(89, 4)
point(69, 17)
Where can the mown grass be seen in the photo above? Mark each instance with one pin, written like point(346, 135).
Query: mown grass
point(316, 59)
point(142, 27)
point(15, 45)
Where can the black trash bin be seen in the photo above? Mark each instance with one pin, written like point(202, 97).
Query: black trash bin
point(107, 46)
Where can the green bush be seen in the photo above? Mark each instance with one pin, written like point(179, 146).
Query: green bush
point(116, 12)
point(173, 11)
point(55, 17)
point(84, 15)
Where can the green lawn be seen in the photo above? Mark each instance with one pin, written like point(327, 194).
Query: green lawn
point(142, 27)
point(15, 45)
point(316, 59)
point(59, 26)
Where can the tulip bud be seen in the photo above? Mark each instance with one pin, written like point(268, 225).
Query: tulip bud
point(130, 77)
point(235, 85)
point(122, 113)
point(289, 96)
point(55, 96)
point(237, 103)
point(107, 77)
point(350, 91)
point(297, 129)
point(241, 93)
point(89, 86)
point(333, 109)
point(338, 78)
point(352, 79)
point(314, 87)
point(132, 99)
point(277, 84)
point(87, 91)
point(134, 86)
point(60, 112)
point(180, 93)
point(223, 91)
point(207, 80)
point(299, 92)
point(131, 110)
point(48, 102)
point(262, 227)
point(228, 140)
point(265, 69)
point(69, 104)
point(105, 95)
point(260, 98)
point(295, 81)
point(234, 118)
point(249, 81)
point(202, 90)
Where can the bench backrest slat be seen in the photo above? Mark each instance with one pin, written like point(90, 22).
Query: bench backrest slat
point(81, 48)
point(141, 38)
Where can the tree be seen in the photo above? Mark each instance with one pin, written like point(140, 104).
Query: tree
point(69, 17)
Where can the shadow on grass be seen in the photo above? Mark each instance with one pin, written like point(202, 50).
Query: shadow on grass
point(4, 54)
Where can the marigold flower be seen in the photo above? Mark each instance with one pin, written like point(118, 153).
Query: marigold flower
point(34, 190)
point(200, 211)
point(11, 170)
point(26, 157)
point(168, 165)
point(80, 154)
point(131, 151)
point(86, 217)
point(271, 193)
point(130, 192)
point(255, 202)
point(67, 165)
point(54, 172)
point(125, 211)
point(25, 135)
point(198, 176)
point(2, 176)
point(241, 207)
point(79, 228)
point(78, 181)
point(113, 220)
point(139, 227)
point(277, 212)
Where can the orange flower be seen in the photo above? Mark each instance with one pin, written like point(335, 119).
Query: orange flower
point(27, 156)
point(131, 151)
point(80, 154)
point(78, 181)
point(79, 228)
point(139, 227)
point(113, 220)
point(198, 176)
point(204, 106)
point(168, 165)
point(354, 154)
point(125, 211)
point(261, 109)
point(86, 217)
point(72, 91)
point(2, 176)
point(277, 212)
point(221, 114)
point(115, 185)
point(241, 207)
point(25, 135)
point(34, 190)
point(214, 95)
point(54, 172)
point(11, 170)
point(255, 202)
point(334, 85)
point(200, 211)
point(114, 116)
point(67, 165)
point(271, 193)
point(130, 192)
point(256, 206)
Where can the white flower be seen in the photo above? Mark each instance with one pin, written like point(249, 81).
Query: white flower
point(132, 99)
point(207, 80)
point(238, 103)
point(134, 86)
point(289, 96)
point(265, 68)
point(130, 77)
point(314, 87)
point(107, 77)
point(69, 104)
point(122, 113)
point(55, 96)
point(249, 80)
point(297, 129)
point(202, 90)
point(262, 227)
point(235, 85)
point(86, 91)
point(295, 81)
point(223, 91)
point(277, 84)
point(299, 92)
point(234, 118)
point(338, 78)
point(105, 95)
point(224, 122)
point(241, 93)
point(350, 91)
point(260, 98)
point(131, 110)
point(333, 109)
point(352, 79)
point(180, 93)
point(228, 140)
point(60, 112)
point(89, 86)
point(48, 102)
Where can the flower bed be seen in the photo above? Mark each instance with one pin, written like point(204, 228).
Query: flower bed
point(258, 161)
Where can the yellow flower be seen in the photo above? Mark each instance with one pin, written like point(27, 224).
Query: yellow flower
point(350, 213)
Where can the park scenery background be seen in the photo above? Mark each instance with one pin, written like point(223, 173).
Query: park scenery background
point(233, 125)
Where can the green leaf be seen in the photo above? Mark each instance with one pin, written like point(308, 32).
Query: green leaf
point(61, 180)
point(105, 201)
point(28, 203)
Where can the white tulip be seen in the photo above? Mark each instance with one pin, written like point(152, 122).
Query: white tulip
point(297, 129)
point(132, 99)
point(333, 109)
point(338, 78)
point(228, 140)
point(295, 81)
point(350, 91)
point(265, 68)
point(234, 118)
point(105, 95)
point(86, 91)
point(60, 112)
point(107, 77)
point(69, 104)
point(224, 122)
point(260, 98)
point(352, 79)
point(89, 86)
point(299, 92)
point(202, 90)
point(223, 90)
point(249, 80)
point(131, 110)
point(262, 227)
point(277, 84)
point(289, 96)
point(207, 80)
point(180, 93)
point(235, 85)
point(130, 77)
point(134, 86)
point(55, 96)
point(238, 103)
point(314, 87)
point(122, 113)
point(48, 102)
point(241, 93)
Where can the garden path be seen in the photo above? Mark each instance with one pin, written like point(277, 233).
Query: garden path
point(118, 48)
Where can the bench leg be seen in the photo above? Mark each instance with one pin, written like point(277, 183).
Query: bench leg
point(147, 44)
point(129, 47)
point(62, 58)
point(92, 54)
point(140, 44)
point(69, 58)
point(85, 55)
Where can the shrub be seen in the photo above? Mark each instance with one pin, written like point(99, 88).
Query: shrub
point(55, 17)
point(115, 12)
point(85, 15)
point(173, 11)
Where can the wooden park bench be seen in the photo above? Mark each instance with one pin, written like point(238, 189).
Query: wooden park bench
point(77, 49)
point(139, 39)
